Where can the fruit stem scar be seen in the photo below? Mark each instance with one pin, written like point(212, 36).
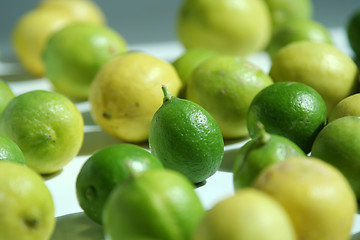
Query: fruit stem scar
point(167, 95)
point(264, 136)
point(31, 222)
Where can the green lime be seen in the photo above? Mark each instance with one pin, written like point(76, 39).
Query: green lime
point(225, 87)
point(159, 204)
point(297, 30)
point(105, 169)
point(6, 94)
point(186, 138)
point(46, 126)
point(289, 109)
point(26, 205)
point(316, 196)
point(260, 152)
point(74, 54)
point(353, 32)
point(227, 27)
point(349, 106)
point(338, 144)
point(248, 214)
point(10, 151)
point(332, 73)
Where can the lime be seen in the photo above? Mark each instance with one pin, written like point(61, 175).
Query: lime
point(282, 11)
point(74, 54)
point(260, 152)
point(186, 138)
point(31, 33)
point(228, 27)
point(317, 197)
point(6, 94)
point(353, 32)
point(289, 109)
point(248, 214)
point(26, 205)
point(297, 30)
point(10, 151)
point(127, 92)
point(320, 65)
point(46, 126)
point(225, 87)
point(159, 204)
point(349, 106)
point(338, 144)
point(105, 169)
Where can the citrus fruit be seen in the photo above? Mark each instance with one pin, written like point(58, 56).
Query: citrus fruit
point(289, 109)
point(229, 27)
point(73, 56)
point(10, 151)
point(282, 11)
point(82, 10)
point(6, 94)
point(188, 61)
point(248, 214)
point(158, 204)
point(46, 126)
point(260, 152)
point(105, 169)
point(126, 93)
point(225, 87)
point(186, 138)
point(349, 106)
point(26, 205)
point(317, 197)
point(297, 30)
point(353, 31)
point(320, 65)
point(31, 33)
point(338, 145)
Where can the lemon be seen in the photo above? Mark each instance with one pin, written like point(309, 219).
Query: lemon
point(6, 94)
point(73, 56)
point(46, 126)
point(26, 205)
point(316, 196)
point(260, 152)
point(349, 106)
point(105, 169)
point(10, 151)
point(82, 10)
point(229, 27)
point(289, 109)
point(159, 204)
point(126, 93)
point(322, 66)
point(186, 138)
point(31, 33)
point(338, 145)
point(225, 86)
point(248, 214)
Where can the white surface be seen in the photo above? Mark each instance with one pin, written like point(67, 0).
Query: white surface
point(62, 186)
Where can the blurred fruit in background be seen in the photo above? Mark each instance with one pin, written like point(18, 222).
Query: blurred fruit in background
point(297, 30)
point(126, 93)
point(229, 27)
point(225, 86)
point(73, 56)
point(6, 94)
point(33, 29)
point(353, 32)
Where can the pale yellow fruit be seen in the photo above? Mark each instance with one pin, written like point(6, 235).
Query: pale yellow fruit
point(126, 93)
point(26, 205)
point(349, 106)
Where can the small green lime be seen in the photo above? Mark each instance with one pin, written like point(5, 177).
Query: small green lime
point(159, 204)
point(186, 138)
point(338, 144)
point(10, 151)
point(105, 169)
point(6, 94)
point(353, 32)
point(290, 109)
point(259, 153)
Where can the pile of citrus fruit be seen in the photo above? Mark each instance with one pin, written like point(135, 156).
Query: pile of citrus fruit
point(295, 176)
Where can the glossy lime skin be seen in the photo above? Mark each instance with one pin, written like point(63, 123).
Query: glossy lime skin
point(105, 169)
point(10, 151)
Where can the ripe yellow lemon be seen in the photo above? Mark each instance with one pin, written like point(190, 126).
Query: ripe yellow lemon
point(126, 93)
